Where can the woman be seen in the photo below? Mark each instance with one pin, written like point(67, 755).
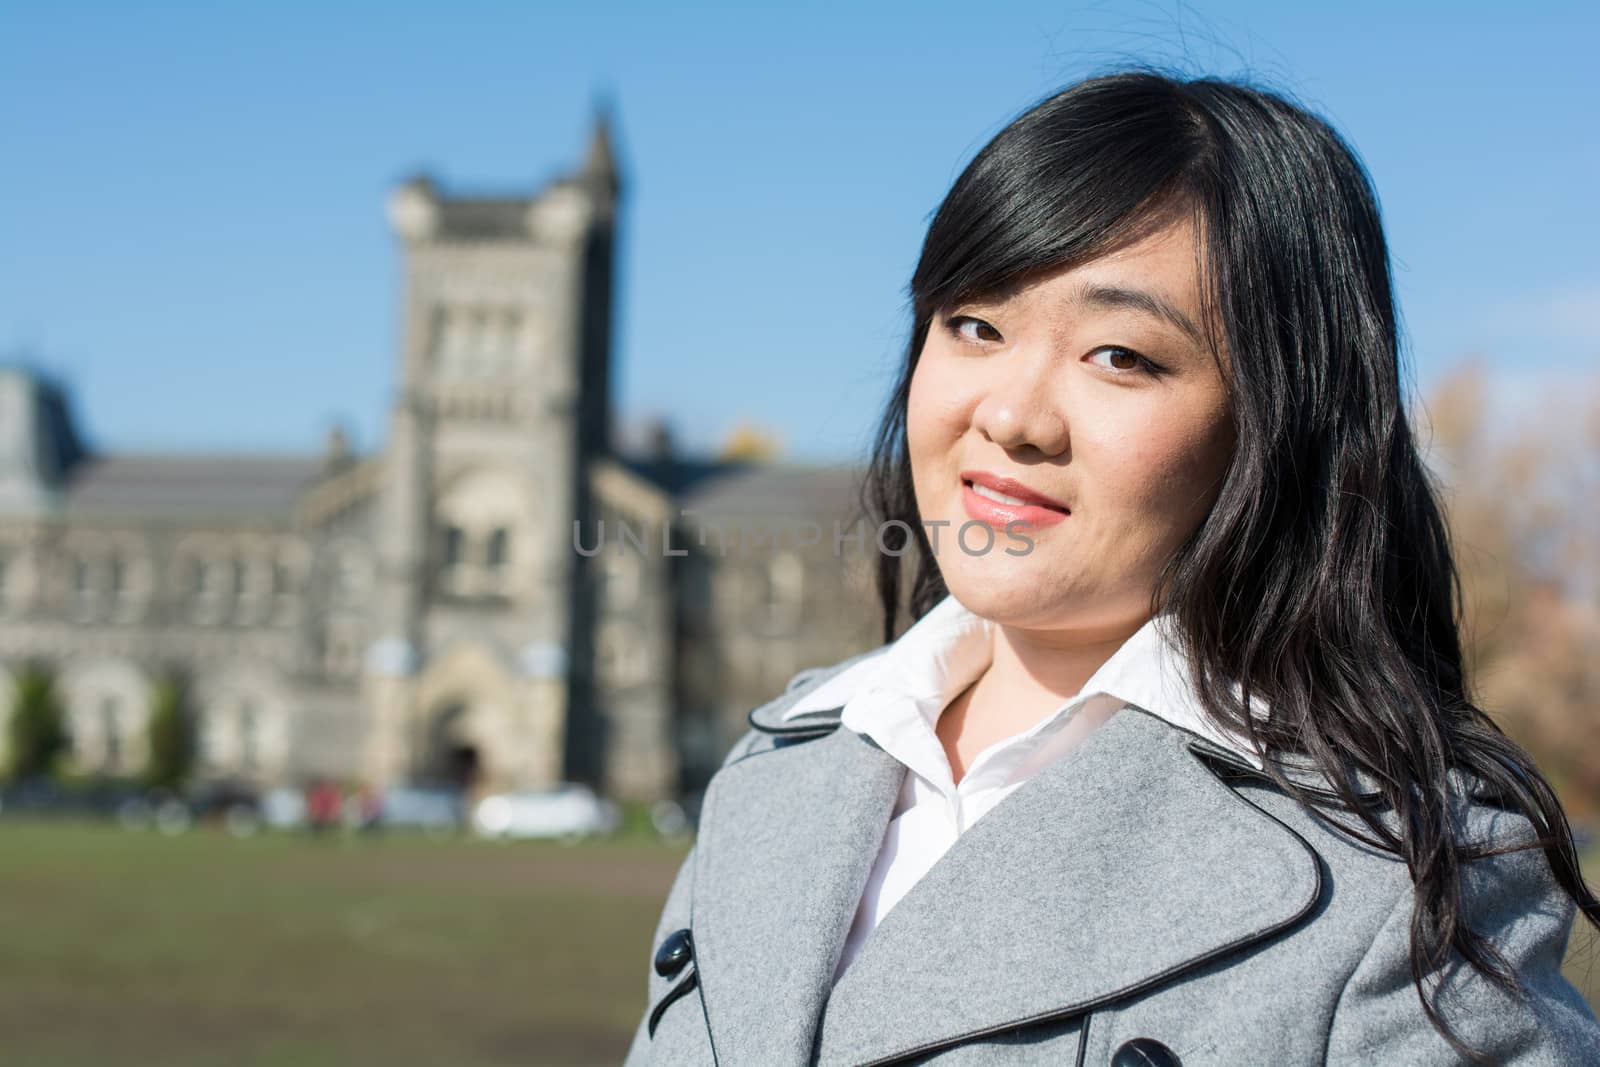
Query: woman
point(1177, 763)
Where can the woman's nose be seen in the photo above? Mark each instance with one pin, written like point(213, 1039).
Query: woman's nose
point(1020, 408)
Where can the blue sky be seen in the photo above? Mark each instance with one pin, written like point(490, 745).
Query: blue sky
point(192, 225)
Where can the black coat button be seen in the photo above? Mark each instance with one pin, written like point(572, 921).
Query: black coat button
point(1144, 1052)
point(676, 951)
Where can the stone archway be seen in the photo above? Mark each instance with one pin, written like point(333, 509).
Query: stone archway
point(465, 721)
point(451, 755)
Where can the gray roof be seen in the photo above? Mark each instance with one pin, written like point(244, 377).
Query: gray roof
point(758, 489)
point(253, 488)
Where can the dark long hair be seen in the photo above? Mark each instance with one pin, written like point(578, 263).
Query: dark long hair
point(1322, 579)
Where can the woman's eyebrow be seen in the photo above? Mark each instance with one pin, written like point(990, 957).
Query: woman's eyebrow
point(1154, 304)
point(1101, 295)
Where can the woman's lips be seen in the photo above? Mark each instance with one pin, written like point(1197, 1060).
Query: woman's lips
point(995, 513)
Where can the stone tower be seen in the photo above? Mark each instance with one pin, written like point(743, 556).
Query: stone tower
point(480, 669)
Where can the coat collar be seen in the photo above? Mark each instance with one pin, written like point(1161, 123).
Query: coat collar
point(1108, 901)
point(950, 645)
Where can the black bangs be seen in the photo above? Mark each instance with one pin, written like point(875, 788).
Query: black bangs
point(1067, 180)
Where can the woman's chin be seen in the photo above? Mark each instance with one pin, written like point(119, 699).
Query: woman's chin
point(1007, 592)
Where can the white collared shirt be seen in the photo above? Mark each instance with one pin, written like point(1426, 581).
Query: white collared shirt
point(897, 696)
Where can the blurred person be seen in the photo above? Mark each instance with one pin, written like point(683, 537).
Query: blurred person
point(369, 808)
point(1177, 763)
point(323, 805)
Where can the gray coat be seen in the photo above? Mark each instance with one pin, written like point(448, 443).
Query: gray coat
point(1148, 899)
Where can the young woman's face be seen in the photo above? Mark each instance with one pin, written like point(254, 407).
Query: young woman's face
point(1079, 390)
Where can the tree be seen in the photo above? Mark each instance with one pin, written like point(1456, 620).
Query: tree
point(171, 734)
point(1523, 502)
point(37, 728)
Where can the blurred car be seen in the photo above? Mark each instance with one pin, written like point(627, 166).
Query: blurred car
point(158, 809)
point(34, 795)
point(47, 796)
point(434, 809)
point(236, 805)
point(568, 812)
point(284, 808)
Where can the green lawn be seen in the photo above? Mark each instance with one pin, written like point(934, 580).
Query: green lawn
point(133, 948)
point(120, 947)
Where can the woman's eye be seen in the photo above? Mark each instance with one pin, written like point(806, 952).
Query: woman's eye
point(956, 322)
point(1124, 360)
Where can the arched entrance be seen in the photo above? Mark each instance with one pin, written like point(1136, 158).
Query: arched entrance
point(451, 757)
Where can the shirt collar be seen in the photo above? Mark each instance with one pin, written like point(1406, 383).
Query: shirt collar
point(941, 654)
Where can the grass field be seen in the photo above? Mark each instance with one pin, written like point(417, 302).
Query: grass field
point(122, 947)
point(119, 947)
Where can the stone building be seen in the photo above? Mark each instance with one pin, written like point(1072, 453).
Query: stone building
point(506, 593)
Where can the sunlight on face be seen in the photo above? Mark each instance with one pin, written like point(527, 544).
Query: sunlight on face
point(1090, 397)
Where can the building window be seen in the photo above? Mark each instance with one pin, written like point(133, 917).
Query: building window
point(341, 653)
point(454, 546)
point(112, 732)
point(210, 578)
point(478, 337)
point(499, 541)
point(780, 592)
point(620, 655)
point(248, 740)
point(206, 742)
point(438, 332)
point(617, 577)
point(350, 572)
point(511, 338)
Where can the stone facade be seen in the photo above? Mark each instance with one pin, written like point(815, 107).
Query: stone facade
point(502, 594)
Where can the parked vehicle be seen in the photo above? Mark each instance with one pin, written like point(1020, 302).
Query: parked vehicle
point(48, 796)
point(284, 808)
point(235, 805)
point(568, 812)
point(434, 809)
point(157, 809)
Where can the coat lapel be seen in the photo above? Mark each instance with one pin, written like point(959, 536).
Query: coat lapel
point(787, 838)
point(1119, 867)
